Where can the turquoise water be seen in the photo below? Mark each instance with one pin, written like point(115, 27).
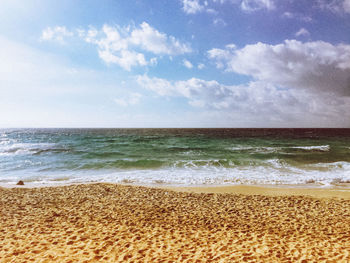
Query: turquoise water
point(175, 156)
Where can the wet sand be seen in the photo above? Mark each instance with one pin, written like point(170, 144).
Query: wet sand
point(269, 190)
point(115, 223)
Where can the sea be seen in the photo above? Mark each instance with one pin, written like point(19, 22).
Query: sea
point(176, 157)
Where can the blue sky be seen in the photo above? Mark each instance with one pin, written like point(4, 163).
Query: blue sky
point(175, 63)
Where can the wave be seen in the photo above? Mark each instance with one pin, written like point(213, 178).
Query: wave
point(50, 150)
point(276, 174)
point(279, 149)
point(321, 148)
point(254, 148)
point(188, 172)
point(203, 163)
point(29, 148)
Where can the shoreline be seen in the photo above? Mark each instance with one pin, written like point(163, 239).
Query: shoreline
point(338, 191)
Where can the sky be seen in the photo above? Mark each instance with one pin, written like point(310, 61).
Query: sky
point(175, 63)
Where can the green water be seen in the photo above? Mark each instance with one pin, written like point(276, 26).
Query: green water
point(176, 156)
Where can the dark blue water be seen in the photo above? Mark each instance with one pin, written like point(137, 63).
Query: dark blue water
point(176, 156)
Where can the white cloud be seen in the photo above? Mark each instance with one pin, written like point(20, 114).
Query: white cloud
point(150, 39)
point(231, 46)
point(113, 48)
point(193, 89)
point(192, 6)
point(112, 39)
point(346, 6)
point(297, 16)
point(120, 45)
point(219, 22)
point(153, 61)
point(336, 6)
point(58, 33)
point(211, 11)
point(220, 56)
point(160, 86)
point(123, 46)
point(125, 58)
point(254, 5)
point(187, 64)
point(318, 65)
point(133, 99)
point(288, 15)
point(195, 6)
point(302, 32)
point(202, 93)
point(89, 35)
point(256, 102)
point(201, 66)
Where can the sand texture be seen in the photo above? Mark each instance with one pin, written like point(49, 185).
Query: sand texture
point(113, 223)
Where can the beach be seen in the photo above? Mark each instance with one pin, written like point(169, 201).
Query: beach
point(119, 223)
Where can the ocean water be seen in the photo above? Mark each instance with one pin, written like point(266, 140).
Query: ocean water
point(317, 157)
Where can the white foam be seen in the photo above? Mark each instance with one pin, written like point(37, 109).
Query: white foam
point(323, 148)
point(191, 153)
point(279, 149)
point(275, 172)
point(260, 149)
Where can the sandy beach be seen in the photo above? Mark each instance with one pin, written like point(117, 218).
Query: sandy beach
point(115, 223)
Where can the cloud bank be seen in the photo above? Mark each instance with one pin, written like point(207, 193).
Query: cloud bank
point(317, 66)
point(257, 102)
